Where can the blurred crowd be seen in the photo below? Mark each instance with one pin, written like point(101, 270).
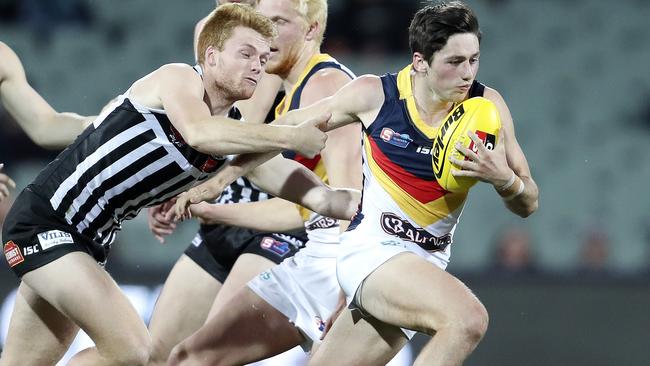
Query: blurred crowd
point(367, 29)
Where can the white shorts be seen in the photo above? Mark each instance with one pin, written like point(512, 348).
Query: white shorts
point(361, 253)
point(304, 288)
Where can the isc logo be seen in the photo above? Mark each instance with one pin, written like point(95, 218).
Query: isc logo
point(426, 150)
point(31, 250)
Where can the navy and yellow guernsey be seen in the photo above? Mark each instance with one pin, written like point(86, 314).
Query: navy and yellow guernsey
point(400, 191)
point(320, 229)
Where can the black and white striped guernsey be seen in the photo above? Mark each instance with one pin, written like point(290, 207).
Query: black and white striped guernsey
point(242, 190)
point(130, 158)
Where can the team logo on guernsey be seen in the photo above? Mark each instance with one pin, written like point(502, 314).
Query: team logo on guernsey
point(395, 138)
point(176, 138)
point(53, 238)
point(13, 254)
point(394, 225)
point(274, 246)
point(212, 163)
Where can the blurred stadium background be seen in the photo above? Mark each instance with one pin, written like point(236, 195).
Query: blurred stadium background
point(568, 286)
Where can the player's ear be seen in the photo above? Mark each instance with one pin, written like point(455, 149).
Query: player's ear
point(313, 31)
point(420, 64)
point(211, 56)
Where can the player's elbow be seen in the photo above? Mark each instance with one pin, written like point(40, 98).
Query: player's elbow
point(201, 143)
point(49, 140)
point(528, 209)
point(531, 208)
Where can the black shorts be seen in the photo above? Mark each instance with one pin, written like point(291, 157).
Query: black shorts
point(34, 235)
point(215, 248)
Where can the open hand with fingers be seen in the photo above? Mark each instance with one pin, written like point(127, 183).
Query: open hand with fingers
point(309, 138)
point(481, 163)
point(159, 224)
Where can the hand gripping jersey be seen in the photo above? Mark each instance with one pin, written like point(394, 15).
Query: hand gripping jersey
point(320, 229)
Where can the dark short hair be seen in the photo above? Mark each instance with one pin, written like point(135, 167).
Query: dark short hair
point(432, 26)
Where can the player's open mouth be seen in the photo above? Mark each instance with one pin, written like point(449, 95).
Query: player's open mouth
point(251, 80)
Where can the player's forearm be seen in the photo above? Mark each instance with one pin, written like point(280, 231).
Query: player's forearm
point(270, 215)
point(521, 197)
point(239, 166)
point(339, 203)
point(227, 137)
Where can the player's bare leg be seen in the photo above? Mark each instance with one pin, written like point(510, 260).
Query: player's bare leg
point(245, 269)
point(79, 289)
point(247, 330)
point(39, 334)
point(182, 307)
point(428, 299)
point(364, 342)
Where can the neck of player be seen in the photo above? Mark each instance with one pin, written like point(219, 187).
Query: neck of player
point(309, 50)
point(431, 107)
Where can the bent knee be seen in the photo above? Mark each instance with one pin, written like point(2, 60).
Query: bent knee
point(134, 357)
point(135, 353)
point(184, 354)
point(472, 323)
point(469, 322)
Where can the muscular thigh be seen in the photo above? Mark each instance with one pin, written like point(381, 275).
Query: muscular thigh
point(38, 333)
point(412, 293)
point(79, 288)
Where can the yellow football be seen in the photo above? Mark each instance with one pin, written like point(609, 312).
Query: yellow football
point(477, 114)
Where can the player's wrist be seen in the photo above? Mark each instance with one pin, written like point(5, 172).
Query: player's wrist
point(505, 183)
point(294, 138)
point(512, 189)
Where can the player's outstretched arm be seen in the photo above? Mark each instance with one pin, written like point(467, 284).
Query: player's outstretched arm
point(45, 126)
point(358, 100)
point(290, 180)
point(273, 215)
point(181, 94)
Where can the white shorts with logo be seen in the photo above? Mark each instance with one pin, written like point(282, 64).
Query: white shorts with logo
point(361, 252)
point(304, 288)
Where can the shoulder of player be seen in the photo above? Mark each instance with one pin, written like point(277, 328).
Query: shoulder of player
point(368, 88)
point(176, 69)
point(178, 73)
point(326, 82)
point(496, 98)
point(493, 95)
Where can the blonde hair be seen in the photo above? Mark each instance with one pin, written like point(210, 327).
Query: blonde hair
point(313, 11)
point(221, 22)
